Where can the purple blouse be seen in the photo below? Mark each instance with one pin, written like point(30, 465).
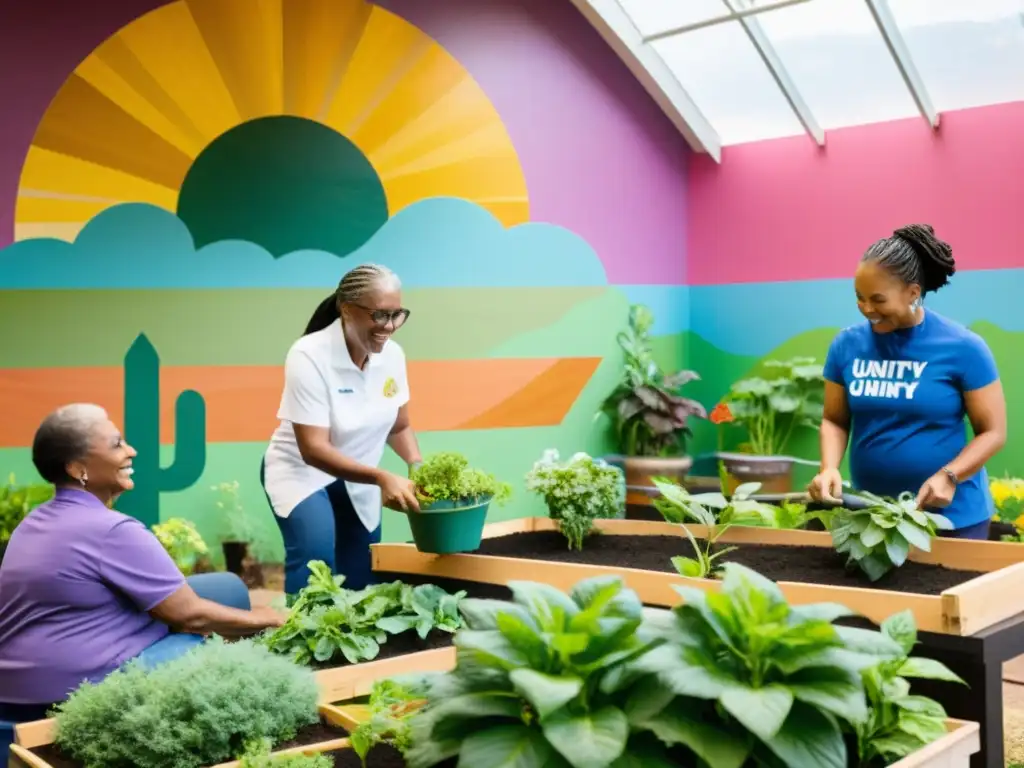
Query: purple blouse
point(76, 584)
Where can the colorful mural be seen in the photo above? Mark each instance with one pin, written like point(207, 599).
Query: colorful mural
point(776, 231)
point(201, 180)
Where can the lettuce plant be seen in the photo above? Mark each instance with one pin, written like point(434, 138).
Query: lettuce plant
point(392, 707)
point(197, 710)
point(742, 675)
point(328, 621)
point(540, 681)
point(900, 723)
point(447, 476)
point(878, 537)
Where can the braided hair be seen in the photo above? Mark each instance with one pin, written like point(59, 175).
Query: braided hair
point(916, 256)
point(354, 285)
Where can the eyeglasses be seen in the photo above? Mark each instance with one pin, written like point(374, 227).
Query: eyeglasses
point(382, 316)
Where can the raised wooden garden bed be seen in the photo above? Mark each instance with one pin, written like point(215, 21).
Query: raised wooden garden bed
point(959, 588)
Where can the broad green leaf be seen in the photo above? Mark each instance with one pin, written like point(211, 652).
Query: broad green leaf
point(896, 745)
point(809, 738)
point(761, 710)
point(481, 613)
point(745, 490)
point(524, 638)
point(491, 647)
point(916, 536)
point(546, 693)
point(646, 699)
point(713, 744)
point(924, 727)
point(550, 607)
point(688, 567)
point(452, 718)
point(596, 592)
point(902, 628)
point(897, 548)
point(739, 578)
point(682, 678)
point(593, 740)
point(941, 523)
point(833, 689)
point(868, 641)
point(505, 746)
point(874, 566)
point(395, 625)
point(819, 612)
point(871, 536)
point(922, 705)
point(644, 753)
point(928, 669)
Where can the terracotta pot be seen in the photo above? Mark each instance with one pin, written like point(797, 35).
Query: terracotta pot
point(774, 473)
point(639, 471)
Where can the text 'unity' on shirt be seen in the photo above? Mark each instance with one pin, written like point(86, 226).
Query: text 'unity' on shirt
point(890, 379)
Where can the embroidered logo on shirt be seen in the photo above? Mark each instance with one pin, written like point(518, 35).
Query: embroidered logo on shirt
point(345, 391)
point(390, 387)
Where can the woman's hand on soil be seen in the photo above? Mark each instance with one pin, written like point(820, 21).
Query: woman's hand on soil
point(937, 491)
point(827, 485)
point(398, 493)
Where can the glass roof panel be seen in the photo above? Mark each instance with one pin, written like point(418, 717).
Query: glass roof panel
point(722, 72)
point(967, 53)
point(654, 16)
point(837, 57)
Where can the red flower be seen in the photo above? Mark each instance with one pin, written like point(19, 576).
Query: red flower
point(721, 414)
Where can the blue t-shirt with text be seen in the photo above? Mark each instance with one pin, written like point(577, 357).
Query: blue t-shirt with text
point(905, 393)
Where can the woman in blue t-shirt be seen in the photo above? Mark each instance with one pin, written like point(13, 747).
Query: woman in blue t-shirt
point(897, 389)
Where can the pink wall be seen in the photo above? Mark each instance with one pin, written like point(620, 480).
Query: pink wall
point(789, 210)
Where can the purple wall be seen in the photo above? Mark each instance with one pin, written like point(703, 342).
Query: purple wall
point(599, 156)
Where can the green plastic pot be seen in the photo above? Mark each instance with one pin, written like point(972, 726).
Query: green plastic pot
point(447, 527)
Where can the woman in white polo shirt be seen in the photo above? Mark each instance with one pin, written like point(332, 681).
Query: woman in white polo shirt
point(346, 396)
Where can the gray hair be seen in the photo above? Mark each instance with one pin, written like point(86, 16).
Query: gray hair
point(360, 280)
point(65, 436)
point(916, 256)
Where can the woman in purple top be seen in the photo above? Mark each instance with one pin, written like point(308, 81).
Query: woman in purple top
point(83, 588)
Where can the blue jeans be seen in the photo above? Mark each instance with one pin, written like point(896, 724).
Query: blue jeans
point(976, 531)
point(325, 526)
point(224, 588)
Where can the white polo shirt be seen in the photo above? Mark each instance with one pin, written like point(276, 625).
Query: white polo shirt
point(324, 388)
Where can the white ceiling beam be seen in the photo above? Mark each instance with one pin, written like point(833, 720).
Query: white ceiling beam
point(618, 30)
point(731, 16)
point(904, 61)
point(771, 59)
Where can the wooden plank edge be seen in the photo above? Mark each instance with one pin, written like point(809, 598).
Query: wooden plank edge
point(349, 682)
point(20, 757)
point(653, 587)
point(345, 716)
point(35, 733)
point(953, 750)
point(983, 601)
point(509, 527)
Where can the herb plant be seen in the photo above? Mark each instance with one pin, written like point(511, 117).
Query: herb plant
point(449, 477)
point(742, 675)
point(539, 681)
point(649, 415)
point(236, 526)
point(16, 501)
point(878, 537)
point(676, 504)
point(392, 707)
point(182, 542)
point(789, 395)
point(258, 755)
point(328, 621)
point(898, 722)
point(197, 710)
point(577, 492)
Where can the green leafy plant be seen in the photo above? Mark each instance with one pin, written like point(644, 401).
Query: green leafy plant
point(790, 394)
point(1008, 497)
point(448, 477)
point(648, 413)
point(878, 537)
point(197, 710)
point(235, 525)
point(676, 504)
point(182, 542)
point(327, 621)
point(900, 723)
point(742, 675)
point(16, 501)
point(577, 492)
point(258, 755)
point(392, 707)
point(539, 681)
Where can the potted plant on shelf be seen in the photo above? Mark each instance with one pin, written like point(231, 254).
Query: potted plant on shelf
point(577, 492)
point(648, 413)
point(16, 501)
point(237, 535)
point(454, 498)
point(771, 407)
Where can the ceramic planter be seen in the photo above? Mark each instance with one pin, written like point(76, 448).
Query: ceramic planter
point(640, 469)
point(774, 473)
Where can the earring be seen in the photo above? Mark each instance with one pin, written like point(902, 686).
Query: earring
point(915, 305)
point(84, 479)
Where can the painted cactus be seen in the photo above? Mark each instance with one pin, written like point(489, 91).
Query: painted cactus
point(142, 429)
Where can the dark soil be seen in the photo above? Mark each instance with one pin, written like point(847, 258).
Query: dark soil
point(381, 756)
point(311, 734)
point(815, 565)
